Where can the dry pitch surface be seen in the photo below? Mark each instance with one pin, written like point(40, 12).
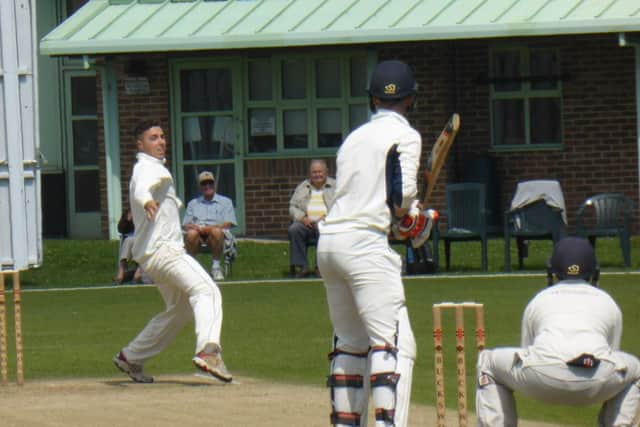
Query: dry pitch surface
point(185, 400)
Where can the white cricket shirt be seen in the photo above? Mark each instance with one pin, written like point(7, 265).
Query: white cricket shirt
point(364, 181)
point(151, 180)
point(568, 319)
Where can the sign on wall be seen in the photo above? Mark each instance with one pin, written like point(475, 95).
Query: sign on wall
point(20, 215)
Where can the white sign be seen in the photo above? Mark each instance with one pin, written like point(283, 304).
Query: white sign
point(264, 125)
point(137, 86)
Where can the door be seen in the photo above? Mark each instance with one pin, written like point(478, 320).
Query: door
point(207, 132)
point(81, 114)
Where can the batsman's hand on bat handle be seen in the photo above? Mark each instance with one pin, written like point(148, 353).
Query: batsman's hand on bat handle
point(411, 222)
point(151, 207)
point(416, 224)
point(399, 212)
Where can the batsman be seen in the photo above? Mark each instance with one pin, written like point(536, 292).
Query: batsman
point(373, 346)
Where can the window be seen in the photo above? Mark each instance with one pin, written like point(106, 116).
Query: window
point(526, 96)
point(84, 140)
point(305, 103)
point(206, 106)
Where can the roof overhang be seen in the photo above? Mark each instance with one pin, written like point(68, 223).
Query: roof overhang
point(128, 26)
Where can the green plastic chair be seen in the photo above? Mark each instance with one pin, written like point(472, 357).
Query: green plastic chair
point(606, 214)
point(535, 221)
point(466, 218)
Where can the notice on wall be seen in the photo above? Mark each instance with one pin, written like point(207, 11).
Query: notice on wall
point(137, 86)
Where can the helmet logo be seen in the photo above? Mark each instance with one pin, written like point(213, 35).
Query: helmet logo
point(390, 89)
point(573, 270)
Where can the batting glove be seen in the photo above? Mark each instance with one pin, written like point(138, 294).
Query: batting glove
point(431, 216)
point(411, 223)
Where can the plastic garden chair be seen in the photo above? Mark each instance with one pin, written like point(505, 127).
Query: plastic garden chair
point(466, 218)
point(606, 214)
point(535, 221)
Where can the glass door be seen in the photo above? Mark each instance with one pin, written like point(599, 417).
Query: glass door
point(82, 155)
point(207, 135)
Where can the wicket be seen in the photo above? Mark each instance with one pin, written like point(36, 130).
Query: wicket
point(460, 359)
point(17, 318)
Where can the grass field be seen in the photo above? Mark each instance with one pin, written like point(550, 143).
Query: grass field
point(279, 330)
point(93, 262)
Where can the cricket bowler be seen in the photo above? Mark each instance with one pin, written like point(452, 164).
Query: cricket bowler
point(186, 288)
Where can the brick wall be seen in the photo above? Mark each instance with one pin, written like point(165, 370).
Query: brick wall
point(599, 151)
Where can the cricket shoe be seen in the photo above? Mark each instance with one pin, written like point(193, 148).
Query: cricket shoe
point(210, 361)
point(431, 216)
point(217, 274)
point(134, 370)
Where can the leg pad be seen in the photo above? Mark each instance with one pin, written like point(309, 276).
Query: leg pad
point(385, 415)
point(389, 379)
point(345, 418)
point(337, 380)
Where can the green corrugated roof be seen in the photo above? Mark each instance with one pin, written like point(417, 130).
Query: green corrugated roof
point(115, 26)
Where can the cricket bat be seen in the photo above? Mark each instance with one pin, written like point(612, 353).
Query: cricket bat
point(439, 154)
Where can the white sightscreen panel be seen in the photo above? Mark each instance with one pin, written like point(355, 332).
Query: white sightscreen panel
point(20, 224)
point(3, 116)
point(27, 86)
point(5, 211)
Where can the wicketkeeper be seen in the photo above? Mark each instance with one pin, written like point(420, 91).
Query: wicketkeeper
point(570, 351)
point(377, 166)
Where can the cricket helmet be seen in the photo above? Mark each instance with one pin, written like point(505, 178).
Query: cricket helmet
point(573, 258)
point(392, 80)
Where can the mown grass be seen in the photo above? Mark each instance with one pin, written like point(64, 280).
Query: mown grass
point(93, 262)
point(279, 330)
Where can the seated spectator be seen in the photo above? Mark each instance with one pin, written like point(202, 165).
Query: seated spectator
point(309, 204)
point(207, 221)
point(126, 229)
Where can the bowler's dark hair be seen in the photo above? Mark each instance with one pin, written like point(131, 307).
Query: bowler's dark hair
point(144, 126)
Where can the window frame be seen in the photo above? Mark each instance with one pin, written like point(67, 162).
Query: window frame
point(526, 93)
point(311, 103)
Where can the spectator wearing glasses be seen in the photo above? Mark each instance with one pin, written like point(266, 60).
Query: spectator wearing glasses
point(207, 222)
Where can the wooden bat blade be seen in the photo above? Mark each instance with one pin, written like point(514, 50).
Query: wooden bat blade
point(439, 154)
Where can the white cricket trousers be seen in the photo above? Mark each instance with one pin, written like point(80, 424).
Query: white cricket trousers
point(617, 389)
point(188, 292)
point(362, 278)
